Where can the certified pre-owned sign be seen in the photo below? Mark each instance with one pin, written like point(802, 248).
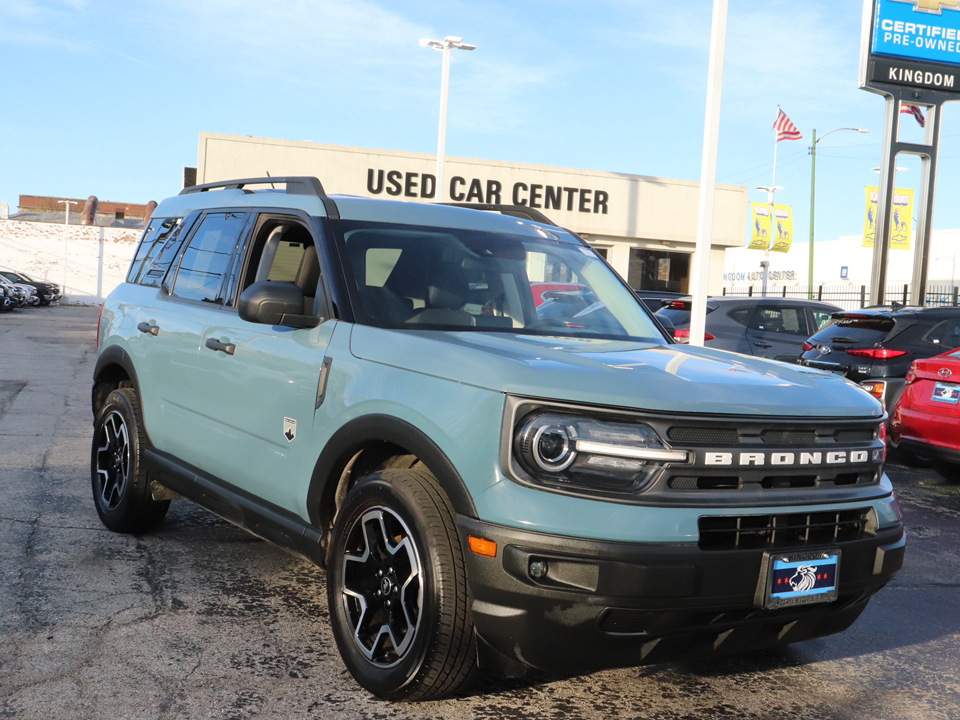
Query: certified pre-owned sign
point(913, 43)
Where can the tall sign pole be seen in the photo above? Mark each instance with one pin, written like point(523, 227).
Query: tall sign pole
point(909, 55)
point(708, 173)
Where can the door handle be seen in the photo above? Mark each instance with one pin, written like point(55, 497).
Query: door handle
point(148, 328)
point(216, 345)
point(762, 344)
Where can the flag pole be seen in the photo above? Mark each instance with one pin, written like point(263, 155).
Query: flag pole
point(770, 200)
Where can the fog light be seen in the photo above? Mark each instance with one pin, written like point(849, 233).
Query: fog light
point(538, 569)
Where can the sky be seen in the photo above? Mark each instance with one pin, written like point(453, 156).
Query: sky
point(108, 97)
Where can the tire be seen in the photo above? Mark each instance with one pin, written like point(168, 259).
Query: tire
point(396, 537)
point(905, 457)
point(948, 470)
point(121, 488)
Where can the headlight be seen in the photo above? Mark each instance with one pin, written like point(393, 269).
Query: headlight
point(570, 450)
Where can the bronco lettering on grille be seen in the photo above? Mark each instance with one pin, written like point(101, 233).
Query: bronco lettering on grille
point(744, 459)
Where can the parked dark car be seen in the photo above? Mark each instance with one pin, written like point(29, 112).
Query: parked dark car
point(656, 299)
point(17, 291)
point(876, 346)
point(769, 327)
point(7, 302)
point(926, 419)
point(46, 292)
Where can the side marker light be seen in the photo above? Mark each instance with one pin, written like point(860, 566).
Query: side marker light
point(487, 548)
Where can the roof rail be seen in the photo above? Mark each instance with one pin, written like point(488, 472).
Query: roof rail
point(520, 211)
point(299, 185)
point(295, 185)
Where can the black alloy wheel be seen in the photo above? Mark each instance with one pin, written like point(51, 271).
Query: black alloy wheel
point(397, 588)
point(121, 488)
point(382, 586)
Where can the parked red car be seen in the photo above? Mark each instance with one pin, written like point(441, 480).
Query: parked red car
point(926, 420)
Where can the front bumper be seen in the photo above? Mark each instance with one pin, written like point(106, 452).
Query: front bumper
point(606, 604)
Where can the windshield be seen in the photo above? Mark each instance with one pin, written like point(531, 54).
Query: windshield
point(412, 277)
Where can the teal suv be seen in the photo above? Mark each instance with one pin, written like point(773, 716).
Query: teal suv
point(369, 384)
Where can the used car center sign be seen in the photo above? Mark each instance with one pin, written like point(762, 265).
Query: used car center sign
point(913, 43)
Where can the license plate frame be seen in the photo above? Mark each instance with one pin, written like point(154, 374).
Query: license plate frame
point(795, 579)
point(947, 393)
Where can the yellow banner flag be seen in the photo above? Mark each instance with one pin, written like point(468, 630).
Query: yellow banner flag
point(783, 228)
point(901, 226)
point(760, 224)
point(870, 219)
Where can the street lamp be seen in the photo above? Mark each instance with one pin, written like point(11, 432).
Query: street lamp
point(444, 46)
point(813, 195)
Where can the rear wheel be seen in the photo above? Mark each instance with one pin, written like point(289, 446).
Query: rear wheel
point(397, 588)
point(949, 471)
point(121, 488)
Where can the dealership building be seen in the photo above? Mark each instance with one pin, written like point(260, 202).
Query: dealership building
point(646, 227)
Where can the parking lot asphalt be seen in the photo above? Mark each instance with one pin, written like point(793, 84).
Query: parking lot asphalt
point(201, 620)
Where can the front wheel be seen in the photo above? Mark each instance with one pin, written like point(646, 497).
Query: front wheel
point(121, 488)
point(397, 588)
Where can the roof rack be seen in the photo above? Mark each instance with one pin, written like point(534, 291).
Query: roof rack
point(300, 185)
point(294, 185)
point(520, 211)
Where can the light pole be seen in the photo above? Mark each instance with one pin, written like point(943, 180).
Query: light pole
point(813, 195)
point(66, 237)
point(771, 191)
point(444, 46)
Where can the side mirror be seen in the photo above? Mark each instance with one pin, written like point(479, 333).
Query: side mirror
point(275, 303)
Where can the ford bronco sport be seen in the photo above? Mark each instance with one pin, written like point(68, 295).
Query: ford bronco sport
point(368, 384)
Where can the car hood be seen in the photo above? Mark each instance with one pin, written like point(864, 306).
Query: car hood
point(629, 374)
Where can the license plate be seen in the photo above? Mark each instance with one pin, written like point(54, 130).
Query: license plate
point(800, 578)
point(946, 393)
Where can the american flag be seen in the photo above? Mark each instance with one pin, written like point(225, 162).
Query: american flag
point(915, 111)
point(786, 130)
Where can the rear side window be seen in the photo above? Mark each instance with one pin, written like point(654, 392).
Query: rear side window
point(788, 320)
point(154, 239)
point(821, 318)
point(207, 257)
point(159, 257)
point(741, 315)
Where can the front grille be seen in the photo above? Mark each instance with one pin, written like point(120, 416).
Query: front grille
point(854, 436)
point(747, 458)
point(703, 435)
point(790, 530)
point(789, 437)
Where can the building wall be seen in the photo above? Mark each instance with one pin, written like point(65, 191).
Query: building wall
point(609, 209)
point(845, 255)
point(97, 257)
